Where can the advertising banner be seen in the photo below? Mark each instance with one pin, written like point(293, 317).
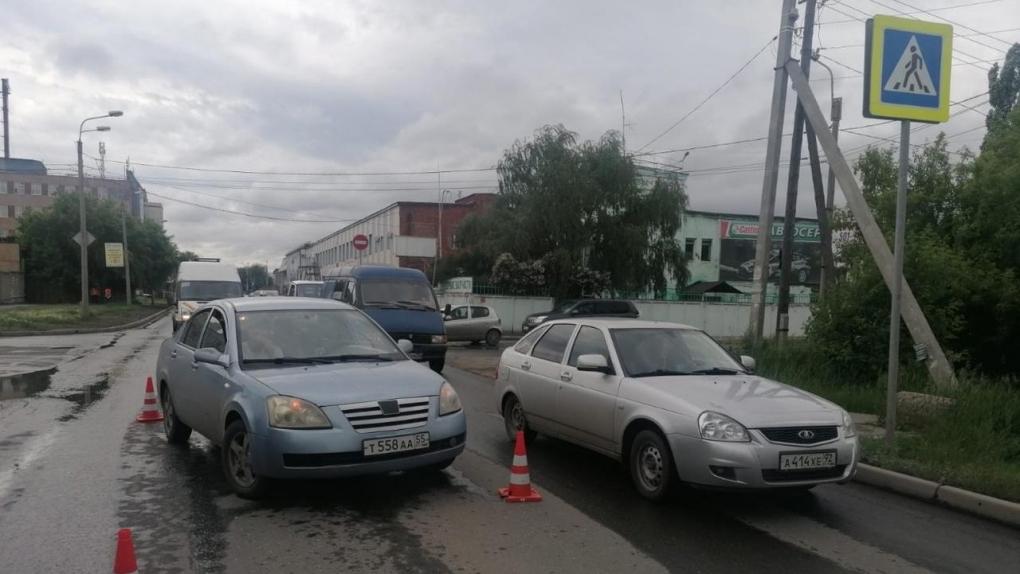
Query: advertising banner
point(737, 245)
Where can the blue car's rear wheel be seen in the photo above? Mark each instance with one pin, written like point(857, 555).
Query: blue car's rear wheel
point(176, 431)
point(236, 456)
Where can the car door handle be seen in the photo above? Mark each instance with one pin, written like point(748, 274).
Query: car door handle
point(173, 354)
point(194, 365)
point(526, 365)
point(566, 376)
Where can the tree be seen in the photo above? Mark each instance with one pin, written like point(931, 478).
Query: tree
point(254, 277)
point(52, 258)
point(1003, 89)
point(187, 256)
point(576, 207)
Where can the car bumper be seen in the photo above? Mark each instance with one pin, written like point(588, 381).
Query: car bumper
point(428, 352)
point(337, 452)
point(755, 464)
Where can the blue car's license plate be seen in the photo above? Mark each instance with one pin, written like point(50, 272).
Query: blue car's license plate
point(394, 444)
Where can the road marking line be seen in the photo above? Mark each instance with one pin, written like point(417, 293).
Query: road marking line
point(830, 544)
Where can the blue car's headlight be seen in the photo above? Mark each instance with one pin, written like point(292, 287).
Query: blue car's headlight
point(449, 402)
point(294, 413)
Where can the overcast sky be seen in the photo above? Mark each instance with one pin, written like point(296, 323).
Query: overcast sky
point(390, 86)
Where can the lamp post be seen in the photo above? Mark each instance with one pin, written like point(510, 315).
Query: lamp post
point(83, 233)
point(439, 237)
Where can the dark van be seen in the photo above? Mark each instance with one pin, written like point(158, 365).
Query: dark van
point(400, 300)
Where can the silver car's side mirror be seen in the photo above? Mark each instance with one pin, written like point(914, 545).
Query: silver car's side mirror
point(594, 363)
point(748, 362)
point(405, 346)
point(212, 356)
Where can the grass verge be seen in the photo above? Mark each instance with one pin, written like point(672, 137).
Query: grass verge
point(975, 444)
point(53, 317)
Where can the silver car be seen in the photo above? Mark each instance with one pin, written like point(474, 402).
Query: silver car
point(304, 388)
point(473, 323)
point(673, 405)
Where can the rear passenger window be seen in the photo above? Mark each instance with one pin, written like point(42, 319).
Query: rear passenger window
point(552, 345)
point(527, 342)
point(478, 312)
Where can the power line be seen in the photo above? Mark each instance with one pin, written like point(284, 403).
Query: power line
point(1003, 31)
point(955, 23)
point(245, 214)
point(854, 19)
point(333, 189)
point(307, 173)
point(711, 95)
point(252, 203)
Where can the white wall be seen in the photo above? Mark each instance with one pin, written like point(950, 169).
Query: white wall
point(717, 319)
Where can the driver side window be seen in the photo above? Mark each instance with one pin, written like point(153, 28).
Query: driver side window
point(216, 333)
point(193, 334)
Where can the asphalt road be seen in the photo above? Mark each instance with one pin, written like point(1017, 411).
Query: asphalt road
point(75, 467)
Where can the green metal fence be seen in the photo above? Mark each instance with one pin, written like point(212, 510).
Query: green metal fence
point(672, 295)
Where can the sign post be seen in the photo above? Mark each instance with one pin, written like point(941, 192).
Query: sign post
point(906, 77)
point(360, 242)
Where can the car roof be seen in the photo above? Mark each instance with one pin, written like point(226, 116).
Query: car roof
point(282, 303)
point(621, 323)
point(207, 271)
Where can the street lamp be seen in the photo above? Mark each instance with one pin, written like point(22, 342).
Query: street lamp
point(83, 233)
point(439, 236)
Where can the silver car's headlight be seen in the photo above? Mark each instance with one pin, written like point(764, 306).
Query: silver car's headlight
point(449, 402)
point(849, 428)
point(715, 426)
point(294, 413)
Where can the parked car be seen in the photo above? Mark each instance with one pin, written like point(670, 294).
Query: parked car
point(673, 405)
point(303, 388)
point(401, 300)
point(582, 308)
point(304, 289)
point(473, 323)
point(197, 283)
point(264, 293)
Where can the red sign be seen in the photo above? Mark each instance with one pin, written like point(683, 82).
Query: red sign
point(360, 242)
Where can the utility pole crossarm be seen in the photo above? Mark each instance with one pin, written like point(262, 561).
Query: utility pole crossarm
point(937, 363)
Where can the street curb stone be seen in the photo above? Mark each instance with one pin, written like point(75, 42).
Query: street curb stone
point(143, 322)
point(980, 504)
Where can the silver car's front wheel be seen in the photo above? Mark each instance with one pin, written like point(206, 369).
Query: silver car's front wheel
point(651, 465)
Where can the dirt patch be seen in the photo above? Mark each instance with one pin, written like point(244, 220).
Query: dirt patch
point(483, 362)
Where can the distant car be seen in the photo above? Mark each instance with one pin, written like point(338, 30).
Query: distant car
point(264, 293)
point(473, 323)
point(304, 388)
point(800, 267)
point(304, 289)
point(582, 308)
point(197, 283)
point(673, 405)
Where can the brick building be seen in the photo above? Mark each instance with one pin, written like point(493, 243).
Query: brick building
point(401, 235)
point(25, 185)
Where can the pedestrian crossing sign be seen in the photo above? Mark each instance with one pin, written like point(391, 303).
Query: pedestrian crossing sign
point(907, 64)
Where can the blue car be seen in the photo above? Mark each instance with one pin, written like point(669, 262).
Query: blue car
point(304, 388)
point(401, 300)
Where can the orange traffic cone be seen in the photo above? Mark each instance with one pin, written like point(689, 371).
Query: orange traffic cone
point(124, 562)
point(150, 412)
point(520, 480)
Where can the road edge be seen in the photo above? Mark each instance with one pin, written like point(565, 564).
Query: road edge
point(143, 322)
point(975, 503)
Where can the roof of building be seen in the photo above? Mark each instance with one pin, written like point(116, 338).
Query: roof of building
point(19, 165)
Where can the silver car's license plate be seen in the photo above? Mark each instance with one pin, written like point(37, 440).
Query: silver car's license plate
point(394, 444)
point(807, 460)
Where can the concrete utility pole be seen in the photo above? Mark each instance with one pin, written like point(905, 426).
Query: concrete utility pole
point(127, 265)
point(835, 114)
point(771, 179)
point(6, 89)
point(938, 366)
point(793, 183)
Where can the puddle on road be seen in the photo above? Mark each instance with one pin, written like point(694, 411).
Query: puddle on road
point(84, 397)
point(112, 342)
point(25, 385)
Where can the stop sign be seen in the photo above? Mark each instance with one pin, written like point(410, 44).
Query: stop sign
point(360, 242)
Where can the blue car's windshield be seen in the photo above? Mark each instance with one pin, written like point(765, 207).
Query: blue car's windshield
point(312, 336)
point(398, 293)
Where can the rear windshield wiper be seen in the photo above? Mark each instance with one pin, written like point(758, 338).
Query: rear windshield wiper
point(715, 371)
point(295, 360)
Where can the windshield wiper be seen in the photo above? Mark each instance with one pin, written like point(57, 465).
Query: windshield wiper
point(382, 305)
point(296, 360)
point(356, 357)
point(715, 371)
point(415, 304)
point(660, 373)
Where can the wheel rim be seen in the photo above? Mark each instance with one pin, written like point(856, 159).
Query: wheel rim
point(239, 460)
point(517, 421)
point(650, 467)
point(168, 413)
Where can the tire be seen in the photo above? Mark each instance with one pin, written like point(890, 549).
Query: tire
point(492, 337)
point(235, 457)
point(437, 364)
point(176, 431)
point(514, 421)
point(651, 465)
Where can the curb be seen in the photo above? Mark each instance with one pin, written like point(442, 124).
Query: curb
point(143, 322)
point(957, 498)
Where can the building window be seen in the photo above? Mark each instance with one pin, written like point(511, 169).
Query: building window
point(36, 188)
point(19, 188)
point(706, 249)
point(45, 189)
point(5, 187)
point(689, 248)
point(19, 210)
point(11, 212)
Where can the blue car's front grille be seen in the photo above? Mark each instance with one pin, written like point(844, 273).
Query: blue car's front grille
point(377, 416)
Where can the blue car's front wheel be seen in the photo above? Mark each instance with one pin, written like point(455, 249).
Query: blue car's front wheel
point(236, 458)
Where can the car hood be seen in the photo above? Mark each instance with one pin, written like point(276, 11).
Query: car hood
point(345, 383)
point(753, 401)
point(407, 320)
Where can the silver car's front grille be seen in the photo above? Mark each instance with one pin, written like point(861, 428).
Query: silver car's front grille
point(805, 435)
point(396, 414)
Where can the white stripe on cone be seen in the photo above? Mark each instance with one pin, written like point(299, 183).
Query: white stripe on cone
point(520, 460)
point(520, 479)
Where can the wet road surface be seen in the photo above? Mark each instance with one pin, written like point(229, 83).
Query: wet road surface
point(75, 467)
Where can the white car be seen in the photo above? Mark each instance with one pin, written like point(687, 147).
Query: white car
point(673, 405)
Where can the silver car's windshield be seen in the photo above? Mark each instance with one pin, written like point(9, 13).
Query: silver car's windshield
point(311, 336)
point(653, 352)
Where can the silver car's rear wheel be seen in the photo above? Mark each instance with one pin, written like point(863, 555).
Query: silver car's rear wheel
point(651, 465)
